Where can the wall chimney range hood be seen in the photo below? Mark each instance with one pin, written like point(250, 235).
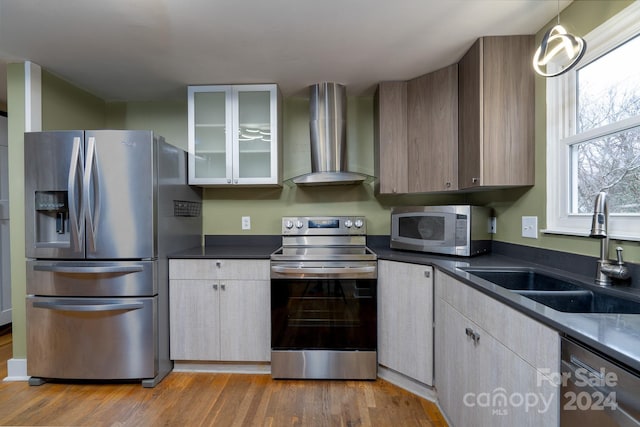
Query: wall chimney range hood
point(328, 126)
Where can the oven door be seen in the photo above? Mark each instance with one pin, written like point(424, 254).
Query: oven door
point(324, 320)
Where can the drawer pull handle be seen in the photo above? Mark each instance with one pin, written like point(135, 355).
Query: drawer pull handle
point(88, 307)
point(89, 269)
point(473, 335)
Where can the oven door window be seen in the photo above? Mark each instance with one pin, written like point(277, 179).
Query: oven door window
point(327, 314)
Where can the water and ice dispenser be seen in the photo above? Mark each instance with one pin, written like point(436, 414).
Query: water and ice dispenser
point(52, 218)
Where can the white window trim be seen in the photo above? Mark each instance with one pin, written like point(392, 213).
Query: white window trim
point(616, 30)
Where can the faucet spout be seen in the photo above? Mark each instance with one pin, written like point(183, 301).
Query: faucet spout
point(606, 268)
point(600, 218)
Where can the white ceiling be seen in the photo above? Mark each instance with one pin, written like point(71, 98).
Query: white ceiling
point(141, 50)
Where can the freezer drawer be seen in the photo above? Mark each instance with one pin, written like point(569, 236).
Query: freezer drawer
point(92, 338)
point(92, 278)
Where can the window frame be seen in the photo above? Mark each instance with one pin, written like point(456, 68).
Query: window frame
point(561, 125)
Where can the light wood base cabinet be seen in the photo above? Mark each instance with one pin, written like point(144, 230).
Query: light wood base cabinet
point(220, 310)
point(492, 363)
point(405, 319)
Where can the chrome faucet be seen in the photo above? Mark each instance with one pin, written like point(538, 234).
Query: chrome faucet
point(607, 269)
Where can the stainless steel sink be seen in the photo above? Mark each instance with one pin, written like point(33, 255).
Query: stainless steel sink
point(523, 279)
point(557, 293)
point(584, 301)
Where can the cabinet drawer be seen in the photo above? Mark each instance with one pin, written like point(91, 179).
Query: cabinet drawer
point(213, 269)
point(536, 343)
point(92, 338)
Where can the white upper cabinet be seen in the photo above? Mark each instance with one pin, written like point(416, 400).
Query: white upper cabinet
point(234, 135)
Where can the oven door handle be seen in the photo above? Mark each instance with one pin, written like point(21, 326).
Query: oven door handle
point(322, 270)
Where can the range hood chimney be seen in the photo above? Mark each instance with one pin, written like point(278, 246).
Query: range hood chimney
point(328, 126)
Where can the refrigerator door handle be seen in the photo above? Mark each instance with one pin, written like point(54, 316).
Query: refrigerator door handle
point(91, 182)
point(61, 306)
point(76, 211)
point(89, 269)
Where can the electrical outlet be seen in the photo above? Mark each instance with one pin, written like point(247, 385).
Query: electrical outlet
point(246, 223)
point(492, 225)
point(530, 227)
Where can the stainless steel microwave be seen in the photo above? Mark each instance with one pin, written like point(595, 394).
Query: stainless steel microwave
point(461, 230)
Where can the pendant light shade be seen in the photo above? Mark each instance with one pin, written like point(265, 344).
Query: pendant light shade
point(560, 49)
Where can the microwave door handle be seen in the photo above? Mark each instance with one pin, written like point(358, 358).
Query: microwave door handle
point(76, 211)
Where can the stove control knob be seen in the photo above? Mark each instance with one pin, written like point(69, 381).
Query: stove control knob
point(288, 224)
point(359, 223)
point(348, 223)
point(299, 224)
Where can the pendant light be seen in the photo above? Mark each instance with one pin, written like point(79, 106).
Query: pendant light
point(560, 48)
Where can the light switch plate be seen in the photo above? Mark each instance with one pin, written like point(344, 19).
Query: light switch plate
point(530, 227)
point(246, 223)
point(492, 225)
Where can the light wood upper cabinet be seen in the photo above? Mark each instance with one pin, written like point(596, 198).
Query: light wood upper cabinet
point(416, 133)
point(496, 113)
point(391, 153)
point(234, 135)
point(432, 131)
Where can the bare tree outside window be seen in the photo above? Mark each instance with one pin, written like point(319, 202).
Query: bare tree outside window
point(608, 93)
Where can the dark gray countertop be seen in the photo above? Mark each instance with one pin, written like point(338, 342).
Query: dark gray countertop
point(227, 251)
point(614, 335)
point(233, 247)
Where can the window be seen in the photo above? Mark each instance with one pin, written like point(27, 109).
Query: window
point(593, 132)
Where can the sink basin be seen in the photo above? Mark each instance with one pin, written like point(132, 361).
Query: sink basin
point(524, 279)
point(584, 301)
point(556, 293)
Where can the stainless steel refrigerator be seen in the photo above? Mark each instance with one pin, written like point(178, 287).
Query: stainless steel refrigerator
point(103, 210)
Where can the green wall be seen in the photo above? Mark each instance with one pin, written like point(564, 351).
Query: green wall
point(64, 106)
point(580, 17)
point(168, 119)
point(16, 122)
point(68, 107)
point(224, 207)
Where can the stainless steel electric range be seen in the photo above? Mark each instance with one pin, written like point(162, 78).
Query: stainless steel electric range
point(323, 300)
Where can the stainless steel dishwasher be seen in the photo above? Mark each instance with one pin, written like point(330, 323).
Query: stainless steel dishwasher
point(597, 391)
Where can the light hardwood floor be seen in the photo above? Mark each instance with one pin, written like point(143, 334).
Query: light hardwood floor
point(202, 399)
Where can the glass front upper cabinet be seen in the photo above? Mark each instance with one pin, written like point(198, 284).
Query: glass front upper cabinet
point(234, 135)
